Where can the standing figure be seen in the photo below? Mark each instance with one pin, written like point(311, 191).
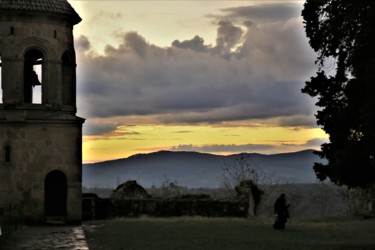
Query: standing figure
point(281, 212)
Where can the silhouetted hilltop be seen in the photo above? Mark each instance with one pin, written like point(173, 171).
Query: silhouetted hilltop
point(195, 169)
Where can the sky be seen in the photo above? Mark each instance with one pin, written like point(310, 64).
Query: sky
point(219, 77)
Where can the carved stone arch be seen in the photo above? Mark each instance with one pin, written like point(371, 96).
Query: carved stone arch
point(68, 57)
point(48, 70)
point(68, 50)
point(39, 44)
point(4, 50)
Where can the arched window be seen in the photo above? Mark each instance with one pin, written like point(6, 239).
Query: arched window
point(69, 78)
point(33, 68)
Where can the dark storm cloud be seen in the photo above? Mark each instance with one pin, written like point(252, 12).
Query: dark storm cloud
point(298, 121)
point(94, 128)
point(251, 73)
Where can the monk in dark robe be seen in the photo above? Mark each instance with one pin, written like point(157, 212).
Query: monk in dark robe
point(281, 212)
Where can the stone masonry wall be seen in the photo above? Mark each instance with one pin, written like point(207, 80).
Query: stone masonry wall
point(37, 149)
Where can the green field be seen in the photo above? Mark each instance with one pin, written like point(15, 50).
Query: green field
point(231, 234)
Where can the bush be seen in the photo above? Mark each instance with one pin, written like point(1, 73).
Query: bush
point(180, 207)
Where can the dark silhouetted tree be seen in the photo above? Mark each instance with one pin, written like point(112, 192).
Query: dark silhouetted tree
point(343, 32)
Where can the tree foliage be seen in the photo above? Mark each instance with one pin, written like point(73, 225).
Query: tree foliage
point(343, 32)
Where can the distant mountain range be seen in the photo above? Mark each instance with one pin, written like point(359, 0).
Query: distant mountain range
point(192, 169)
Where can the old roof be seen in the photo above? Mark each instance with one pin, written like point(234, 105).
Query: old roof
point(58, 7)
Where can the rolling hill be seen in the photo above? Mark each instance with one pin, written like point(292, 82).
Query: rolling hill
point(194, 169)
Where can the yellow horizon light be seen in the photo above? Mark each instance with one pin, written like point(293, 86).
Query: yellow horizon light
point(151, 138)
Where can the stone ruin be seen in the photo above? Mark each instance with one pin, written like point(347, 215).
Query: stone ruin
point(129, 190)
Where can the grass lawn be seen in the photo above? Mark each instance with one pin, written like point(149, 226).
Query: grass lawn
point(231, 234)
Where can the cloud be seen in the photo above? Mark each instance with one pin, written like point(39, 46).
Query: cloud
point(136, 43)
point(227, 148)
point(253, 72)
point(82, 43)
point(248, 148)
point(108, 130)
point(196, 44)
point(316, 142)
point(109, 15)
point(265, 12)
point(228, 38)
point(95, 129)
point(297, 121)
point(228, 35)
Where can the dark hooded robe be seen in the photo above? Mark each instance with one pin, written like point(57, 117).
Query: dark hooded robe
point(281, 212)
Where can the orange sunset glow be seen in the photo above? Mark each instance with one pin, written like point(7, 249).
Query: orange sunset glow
point(219, 77)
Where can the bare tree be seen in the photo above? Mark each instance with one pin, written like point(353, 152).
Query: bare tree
point(245, 178)
point(241, 169)
point(169, 188)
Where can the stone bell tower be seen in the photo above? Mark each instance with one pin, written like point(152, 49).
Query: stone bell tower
point(40, 134)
